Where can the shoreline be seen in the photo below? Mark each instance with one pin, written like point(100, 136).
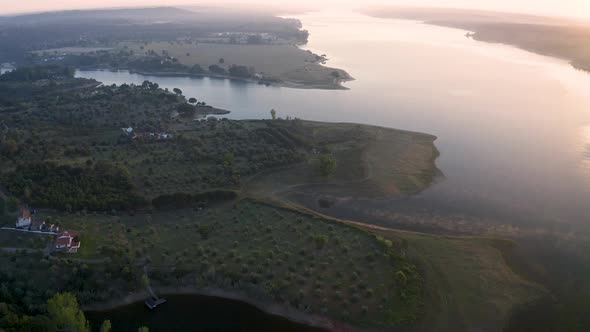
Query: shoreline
point(268, 307)
point(337, 85)
point(491, 31)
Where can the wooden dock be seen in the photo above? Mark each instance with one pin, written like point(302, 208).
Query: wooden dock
point(153, 302)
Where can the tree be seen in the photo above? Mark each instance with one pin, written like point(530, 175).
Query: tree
point(2, 206)
point(177, 91)
point(401, 278)
point(197, 69)
point(11, 204)
point(8, 148)
point(240, 71)
point(228, 161)
point(217, 70)
point(145, 281)
point(273, 114)
point(204, 230)
point(254, 39)
point(221, 60)
point(64, 311)
point(106, 326)
point(186, 110)
point(320, 241)
point(327, 165)
point(192, 100)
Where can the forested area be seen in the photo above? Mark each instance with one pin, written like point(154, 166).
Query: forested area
point(65, 143)
point(102, 186)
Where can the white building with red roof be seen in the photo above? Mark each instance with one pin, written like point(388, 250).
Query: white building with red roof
point(24, 219)
point(67, 241)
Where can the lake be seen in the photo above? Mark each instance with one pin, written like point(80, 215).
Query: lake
point(185, 312)
point(513, 127)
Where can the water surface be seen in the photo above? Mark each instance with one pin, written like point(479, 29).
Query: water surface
point(513, 127)
point(183, 312)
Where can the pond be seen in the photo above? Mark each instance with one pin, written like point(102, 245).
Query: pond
point(195, 313)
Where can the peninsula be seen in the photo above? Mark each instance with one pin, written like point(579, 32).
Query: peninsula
point(154, 195)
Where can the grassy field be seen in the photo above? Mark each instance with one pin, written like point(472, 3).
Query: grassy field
point(269, 59)
point(468, 285)
point(285, 62)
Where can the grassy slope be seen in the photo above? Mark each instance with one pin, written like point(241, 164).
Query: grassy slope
point(466, 281)
point(469, 286)
point(271, 249)
point(370, 162)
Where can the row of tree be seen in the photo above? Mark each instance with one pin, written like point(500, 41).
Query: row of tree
point(34, 73)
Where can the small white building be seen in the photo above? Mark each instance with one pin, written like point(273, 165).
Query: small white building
point(24, 219)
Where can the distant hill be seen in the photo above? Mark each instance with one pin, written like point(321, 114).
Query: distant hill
point(101, 16)
point(107, 27)
point(558, 37)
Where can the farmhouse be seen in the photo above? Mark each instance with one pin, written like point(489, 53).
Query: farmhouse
point(68, 242)
point(24, 219)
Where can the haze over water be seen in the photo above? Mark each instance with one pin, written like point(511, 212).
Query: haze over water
point(513, 127)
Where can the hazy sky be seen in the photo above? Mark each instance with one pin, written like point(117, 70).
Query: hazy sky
point(578, 8)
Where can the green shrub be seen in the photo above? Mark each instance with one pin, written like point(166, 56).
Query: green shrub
point(320, 241)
